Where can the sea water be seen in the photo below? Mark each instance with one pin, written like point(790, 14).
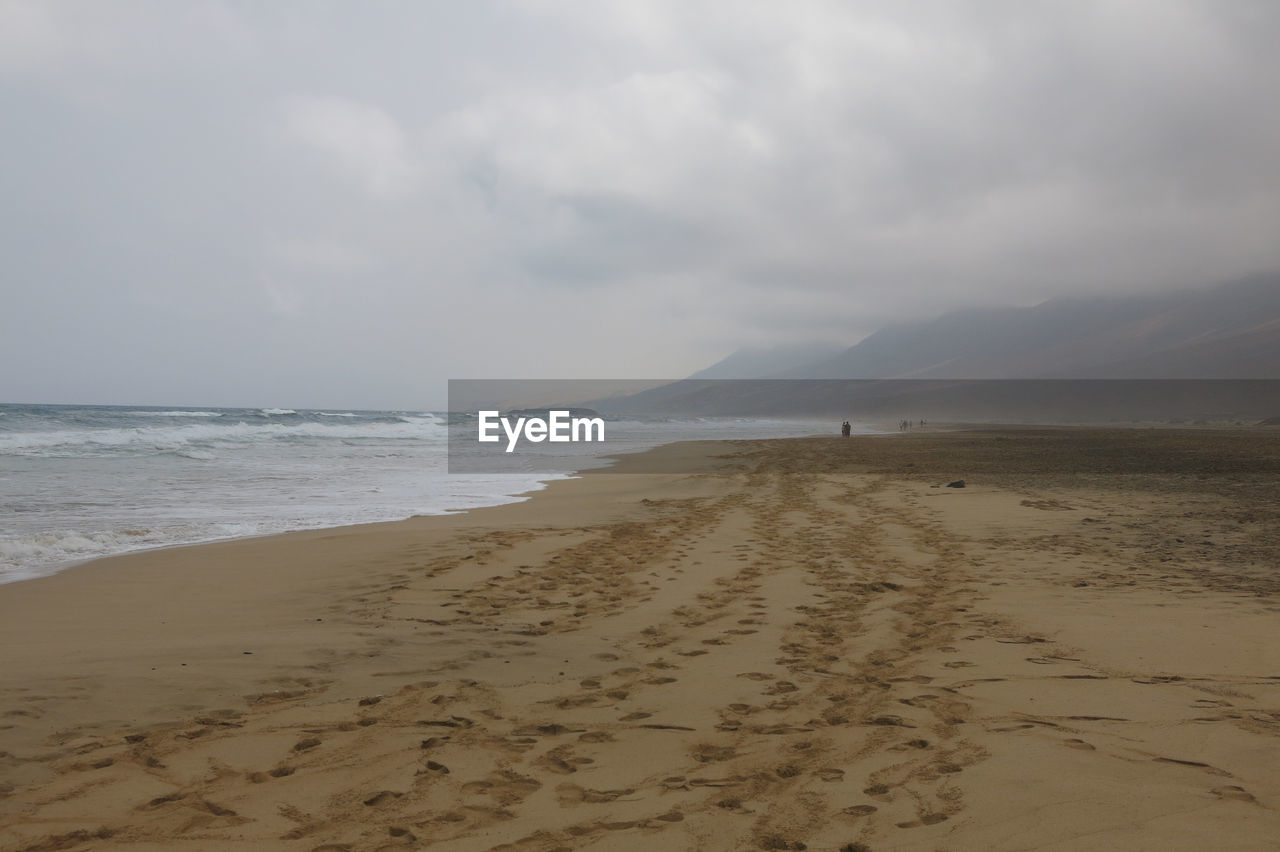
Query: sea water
point(78, 482)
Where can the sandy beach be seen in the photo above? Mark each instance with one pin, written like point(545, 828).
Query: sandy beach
point(780, 645)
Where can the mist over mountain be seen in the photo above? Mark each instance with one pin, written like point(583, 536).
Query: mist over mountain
point(755, 363)
point(1227, 332)
point(1210, 354)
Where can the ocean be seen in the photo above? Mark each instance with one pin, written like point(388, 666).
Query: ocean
point(80, 482)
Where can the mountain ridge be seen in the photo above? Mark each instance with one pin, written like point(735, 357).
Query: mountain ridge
point(1231, 331)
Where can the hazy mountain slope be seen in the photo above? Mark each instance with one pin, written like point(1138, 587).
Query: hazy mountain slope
point(1229, 332)
point(1226, 332)
point(759, 363)
point(1252, 353)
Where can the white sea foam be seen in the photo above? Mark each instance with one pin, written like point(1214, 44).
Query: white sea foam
point(198, 455)
point(78, 483)
point(42, 553)
point(277, 411)
point(81, 482)
point(171, 438)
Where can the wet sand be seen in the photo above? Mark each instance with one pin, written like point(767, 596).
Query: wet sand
point(808, 644)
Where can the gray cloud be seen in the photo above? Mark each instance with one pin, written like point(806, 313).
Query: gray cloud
point(297, 203)
point(590, 239)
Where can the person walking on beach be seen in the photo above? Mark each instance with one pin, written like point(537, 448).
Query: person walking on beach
point(845, 428)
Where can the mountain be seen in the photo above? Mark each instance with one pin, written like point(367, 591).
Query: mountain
point(1159, 357)
point(1231, 331)
point(756, 363)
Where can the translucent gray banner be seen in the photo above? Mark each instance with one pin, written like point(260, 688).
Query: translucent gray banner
point(555, 426)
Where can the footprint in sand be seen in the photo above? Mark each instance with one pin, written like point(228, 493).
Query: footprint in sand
point(1239, 794)
point(1080, 744)
point(889, 721)
point(706, 753)
point(910, 744)
point(571, 794)
point(161, 801)
point(381, 798)
point(1193, 764)
point(1023, 640)
point(562, 762)
point(927, 819)
point(860, 810)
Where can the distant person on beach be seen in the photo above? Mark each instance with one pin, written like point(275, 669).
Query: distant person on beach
point(845, 428)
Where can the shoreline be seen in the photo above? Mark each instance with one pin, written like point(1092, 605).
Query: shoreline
point(877, 428)
point(50, 540)
point(63, 567)
point(722, 645)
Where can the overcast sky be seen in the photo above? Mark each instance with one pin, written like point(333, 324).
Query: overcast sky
point(319, 203)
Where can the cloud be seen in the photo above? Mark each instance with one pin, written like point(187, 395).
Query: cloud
point(65, 38)
point(593, 239)
point(657, 179)
point(321, 256)
point(360, 139)
point(29, 36)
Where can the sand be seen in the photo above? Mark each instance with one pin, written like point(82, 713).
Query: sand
point(1078, 649)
